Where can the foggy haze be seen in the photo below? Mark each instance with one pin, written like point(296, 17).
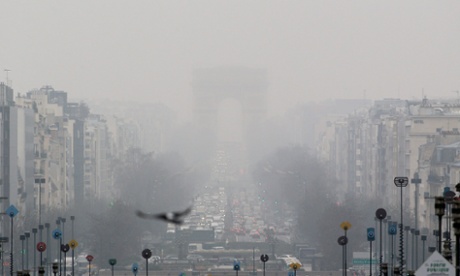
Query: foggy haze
point(146, 51)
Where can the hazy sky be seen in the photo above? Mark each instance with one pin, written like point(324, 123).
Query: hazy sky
point(312, 50)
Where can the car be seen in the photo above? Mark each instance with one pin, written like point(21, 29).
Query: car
point(195, 257)
point(154, 260)
point(170, 259)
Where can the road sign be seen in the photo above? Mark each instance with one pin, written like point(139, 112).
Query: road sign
point(370, 234)
point(112, 261)
point(12, 211)
point(342, 240)
point(401, 181)
point(345, 225)
point(392, 228)
point(436, 265)
point(73, 244)
point(65, 248)
point(41, 246)
point(89, 258)
point(57, 233)
point(135, 268)
point(264, 258)
point(364, 261)
point(380, 213)
point(147, 253)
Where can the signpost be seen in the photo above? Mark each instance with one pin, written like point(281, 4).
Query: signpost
point(89, 258)
point(436, 264)
point(73, 244)
point(11, 212)
point(146, 254)
point(264, 258)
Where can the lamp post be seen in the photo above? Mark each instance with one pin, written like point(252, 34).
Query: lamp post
point(34, 231)
point(40, 181)
point(380, 214)
point(401, 182)
point(72, 219)
point(423, 238)
point(417, 233)
point(412, 231)
point(27, 235)
point(48, 253)
point(407, 229)
point(439, 208)
point(22, 238)
point(63, 227)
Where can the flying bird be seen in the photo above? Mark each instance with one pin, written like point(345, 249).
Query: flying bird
point(171, 217)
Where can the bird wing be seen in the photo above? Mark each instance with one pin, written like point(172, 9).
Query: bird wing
point(183, 213)
point(148, 216)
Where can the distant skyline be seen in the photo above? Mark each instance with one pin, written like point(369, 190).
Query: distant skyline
point(312, 50)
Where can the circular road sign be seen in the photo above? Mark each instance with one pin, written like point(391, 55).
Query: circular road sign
point(41, 246)
point(73, 244)
point(380, 213)
point(112, 261)
point(147, 253)
point(57, 233)
point(342, 240)
point(65, 248)
point(89, 258)
point(264, 258)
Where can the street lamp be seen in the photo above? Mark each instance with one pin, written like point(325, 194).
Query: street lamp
point(439, 208)
point(407, 229)
point(34, 231)
point(417, 233)
point(63, 228)
point(401, 182)
point(423, 237)
point(48, 252)
point(22, 238)
point(72, 219)
point(27, 235)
